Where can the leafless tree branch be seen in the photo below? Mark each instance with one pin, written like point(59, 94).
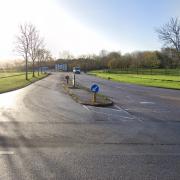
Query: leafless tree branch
point(170, 34)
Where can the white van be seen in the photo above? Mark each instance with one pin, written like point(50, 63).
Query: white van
point(76, 70)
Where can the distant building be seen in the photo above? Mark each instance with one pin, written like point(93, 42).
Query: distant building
point(44, 69)
point(61, 67)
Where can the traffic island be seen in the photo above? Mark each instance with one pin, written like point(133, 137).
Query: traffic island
point(84, 96)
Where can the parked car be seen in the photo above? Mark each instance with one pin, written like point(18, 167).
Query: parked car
point(76, 70)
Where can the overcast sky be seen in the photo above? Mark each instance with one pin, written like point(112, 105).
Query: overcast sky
point(87, 26)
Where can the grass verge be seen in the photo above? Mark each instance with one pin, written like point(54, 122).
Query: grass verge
point(13, 81)
point(83, 95)
point(163, 81)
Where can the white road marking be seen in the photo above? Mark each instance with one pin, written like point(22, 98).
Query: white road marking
point(108, 114)
point(126, 111)
point(123, 110)
point(6, 152)
point(86, 107)
point(117, 107)
point(146, 102)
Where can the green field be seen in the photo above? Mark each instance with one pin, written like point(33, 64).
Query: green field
point(12, 81)
point(171, 80)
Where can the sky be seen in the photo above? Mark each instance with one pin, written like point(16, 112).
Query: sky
point(86, 26)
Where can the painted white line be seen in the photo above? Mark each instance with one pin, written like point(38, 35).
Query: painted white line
point(146, 102)
point(125, 111)
point(86, 107)
point(6, 152)
point(117, 107)
point(108, 114)
point(118, 110)
point(125, 117)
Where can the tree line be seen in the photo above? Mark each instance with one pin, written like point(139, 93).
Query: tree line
point(168, 57)
point(30, 45)
point(114, 60)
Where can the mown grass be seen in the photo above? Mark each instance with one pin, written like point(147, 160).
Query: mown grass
point(13, 81)
point(5, 74)
point(163, 81)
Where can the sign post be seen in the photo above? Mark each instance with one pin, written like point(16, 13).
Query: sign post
point(67, 79)
point(94, 97)
point(95, 90)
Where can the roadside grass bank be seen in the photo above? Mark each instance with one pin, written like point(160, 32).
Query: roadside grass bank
point(170, 81)
point(13, 81)
point(9, 74)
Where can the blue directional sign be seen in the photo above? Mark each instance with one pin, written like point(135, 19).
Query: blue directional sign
point(95, 88)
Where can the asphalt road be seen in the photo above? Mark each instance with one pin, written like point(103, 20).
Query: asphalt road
point(44, 134)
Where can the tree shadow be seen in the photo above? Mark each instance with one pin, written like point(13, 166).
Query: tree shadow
point(30, 160)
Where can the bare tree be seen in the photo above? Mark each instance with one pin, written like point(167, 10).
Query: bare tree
point(27, 44)
point(44, 58)
point(35, 43)
point(170, 34)
point(23, 43)
point(41, 57)
point(48, 59)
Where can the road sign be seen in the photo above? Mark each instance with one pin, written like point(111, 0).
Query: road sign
point(95, 88)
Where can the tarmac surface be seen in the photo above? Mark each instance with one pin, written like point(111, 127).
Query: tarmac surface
point(45, 134)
